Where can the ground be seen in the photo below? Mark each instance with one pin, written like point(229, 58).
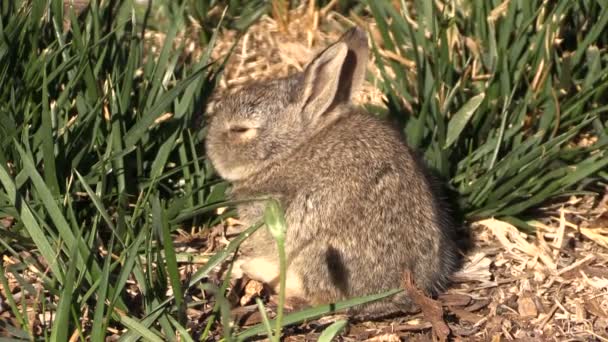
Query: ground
point(513, 286)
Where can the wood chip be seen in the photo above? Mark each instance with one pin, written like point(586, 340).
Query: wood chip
point(594, 306)
point(527, 307)
point(512, 240)
point(478, 305)
point(466, 315)
point(384, 338)
point(454, 299)
point(576, 264)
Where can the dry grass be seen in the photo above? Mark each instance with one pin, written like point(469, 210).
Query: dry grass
point(265, 51)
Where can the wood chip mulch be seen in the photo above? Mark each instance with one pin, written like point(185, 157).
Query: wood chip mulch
point(512, 286)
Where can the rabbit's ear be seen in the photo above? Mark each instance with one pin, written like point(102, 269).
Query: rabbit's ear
point(335, 74)
point(353, 71)
point(321, 80)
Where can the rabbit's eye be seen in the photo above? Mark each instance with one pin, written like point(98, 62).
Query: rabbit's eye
point(243, 133)
point(239, 129)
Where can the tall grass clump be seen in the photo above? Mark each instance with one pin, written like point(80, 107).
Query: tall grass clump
point(98, 166)
point(497, 95)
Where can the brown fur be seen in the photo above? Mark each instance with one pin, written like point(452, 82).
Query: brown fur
point(360, 209)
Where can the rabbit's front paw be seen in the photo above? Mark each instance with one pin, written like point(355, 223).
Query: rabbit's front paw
point(266, 270)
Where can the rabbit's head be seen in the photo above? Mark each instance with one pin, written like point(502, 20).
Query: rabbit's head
point(264, 122)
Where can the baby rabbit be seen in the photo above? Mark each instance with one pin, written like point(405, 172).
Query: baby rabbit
point(360, 210)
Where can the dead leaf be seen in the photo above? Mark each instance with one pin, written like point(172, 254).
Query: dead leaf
point(431, 309)
point(253, 289)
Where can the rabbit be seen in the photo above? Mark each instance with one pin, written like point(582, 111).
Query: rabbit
point(360, 209)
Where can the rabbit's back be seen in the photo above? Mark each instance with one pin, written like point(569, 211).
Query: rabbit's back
point(360, 212)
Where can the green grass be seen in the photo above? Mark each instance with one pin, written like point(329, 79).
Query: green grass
point(506, 140)
point(94, 186)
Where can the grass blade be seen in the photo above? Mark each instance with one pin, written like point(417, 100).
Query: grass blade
point(316, 312)
point(31, 224)
point(461, 118)
point(140, 329)
point(332, 331)
point(61, 324)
